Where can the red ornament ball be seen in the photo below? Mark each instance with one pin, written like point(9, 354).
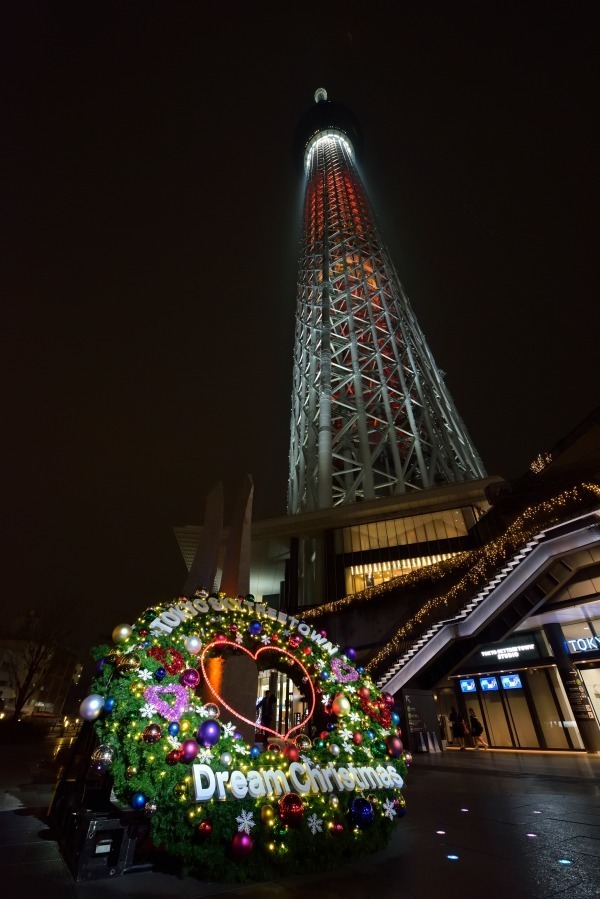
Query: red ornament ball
point(292, 753)
point(364, 692)
point(337, 828)
point(295, 640)
point(152, 733)
point(274, 638)
point(307, 650)
point(291, 809)
point(204, 829)
point(357, 737)
point(388, 699)
point(241, 845)
point(173, 757)
point(220, 638)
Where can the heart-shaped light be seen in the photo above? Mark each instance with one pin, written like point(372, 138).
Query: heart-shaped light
point(152, 695)
point(254, 656)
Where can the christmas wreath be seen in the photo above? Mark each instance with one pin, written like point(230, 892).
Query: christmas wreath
point(229, 809)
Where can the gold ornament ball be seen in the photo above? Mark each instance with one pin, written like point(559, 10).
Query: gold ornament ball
point(340, 706)
point(184, 726)
point(180, 790)
point(130, 772)
point(122, 632)
point(267, 814)
point(128, 663)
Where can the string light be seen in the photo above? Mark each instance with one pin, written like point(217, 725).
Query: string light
point(486, 561)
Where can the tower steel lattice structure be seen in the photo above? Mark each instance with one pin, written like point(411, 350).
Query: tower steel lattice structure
point(371, 414)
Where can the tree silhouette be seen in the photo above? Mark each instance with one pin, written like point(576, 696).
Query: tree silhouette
point(30, 652)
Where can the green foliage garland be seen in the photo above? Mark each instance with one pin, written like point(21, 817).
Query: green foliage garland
point(139, 767)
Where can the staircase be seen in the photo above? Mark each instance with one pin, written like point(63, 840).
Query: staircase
point(547, 546)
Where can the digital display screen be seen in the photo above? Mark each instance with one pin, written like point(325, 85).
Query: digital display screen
point(468, 685)
point(488, 683)
point(511, 682)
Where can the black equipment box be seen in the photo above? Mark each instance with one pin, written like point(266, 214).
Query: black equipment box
point(102, 844)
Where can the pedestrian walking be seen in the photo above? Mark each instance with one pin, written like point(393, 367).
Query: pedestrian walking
point(477, 730)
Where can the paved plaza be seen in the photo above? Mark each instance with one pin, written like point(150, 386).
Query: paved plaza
point(493, 824)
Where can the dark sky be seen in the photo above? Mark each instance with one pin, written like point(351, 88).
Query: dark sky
point(151, 215)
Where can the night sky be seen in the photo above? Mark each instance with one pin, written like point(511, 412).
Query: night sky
point(151, 221)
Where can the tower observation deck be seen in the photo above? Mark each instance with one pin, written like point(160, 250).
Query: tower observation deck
point(371, 415)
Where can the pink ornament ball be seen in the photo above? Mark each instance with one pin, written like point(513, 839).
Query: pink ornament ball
point(189, 750)
point(190, 678)
point(241, 845)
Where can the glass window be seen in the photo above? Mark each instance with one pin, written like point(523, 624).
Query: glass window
point(549, 716)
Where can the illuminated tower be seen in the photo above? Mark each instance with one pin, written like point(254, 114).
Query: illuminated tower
point(371, 415)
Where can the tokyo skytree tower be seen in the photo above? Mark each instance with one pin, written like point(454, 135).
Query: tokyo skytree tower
point(371, 415)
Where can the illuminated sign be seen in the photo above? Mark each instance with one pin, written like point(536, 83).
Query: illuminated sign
point(584, 644)
point(303, 778)
point(526, 649)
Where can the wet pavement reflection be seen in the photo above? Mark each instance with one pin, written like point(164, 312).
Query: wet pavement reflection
point(498, 824)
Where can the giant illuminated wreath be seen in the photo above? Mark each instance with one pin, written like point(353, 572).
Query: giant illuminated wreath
point(228, 809)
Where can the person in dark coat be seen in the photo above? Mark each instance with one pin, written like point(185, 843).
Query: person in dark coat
point(459, 728)
point(267, 709)
point(477, 730)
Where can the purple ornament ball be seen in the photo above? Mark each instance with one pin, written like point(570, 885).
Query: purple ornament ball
point(394, 746)
point(209, 733)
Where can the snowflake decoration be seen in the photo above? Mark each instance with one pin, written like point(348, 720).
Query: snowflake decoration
point(265, 639)
point(326, 699)
point(147, 711)
point(174, 742)
point(307, 760)
point(246, 821)
point(156, 633)
point(241, 749)
point(348, 747)
point(345, 734)
point(239, 639)
point(388, 809)
point(354, 716)
point(200, 710)
point(144, 674)
point(319, 664)
point(349, 688)
point(204, 755)
point(228, 729)
point(315, 824)
point(286, 632)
